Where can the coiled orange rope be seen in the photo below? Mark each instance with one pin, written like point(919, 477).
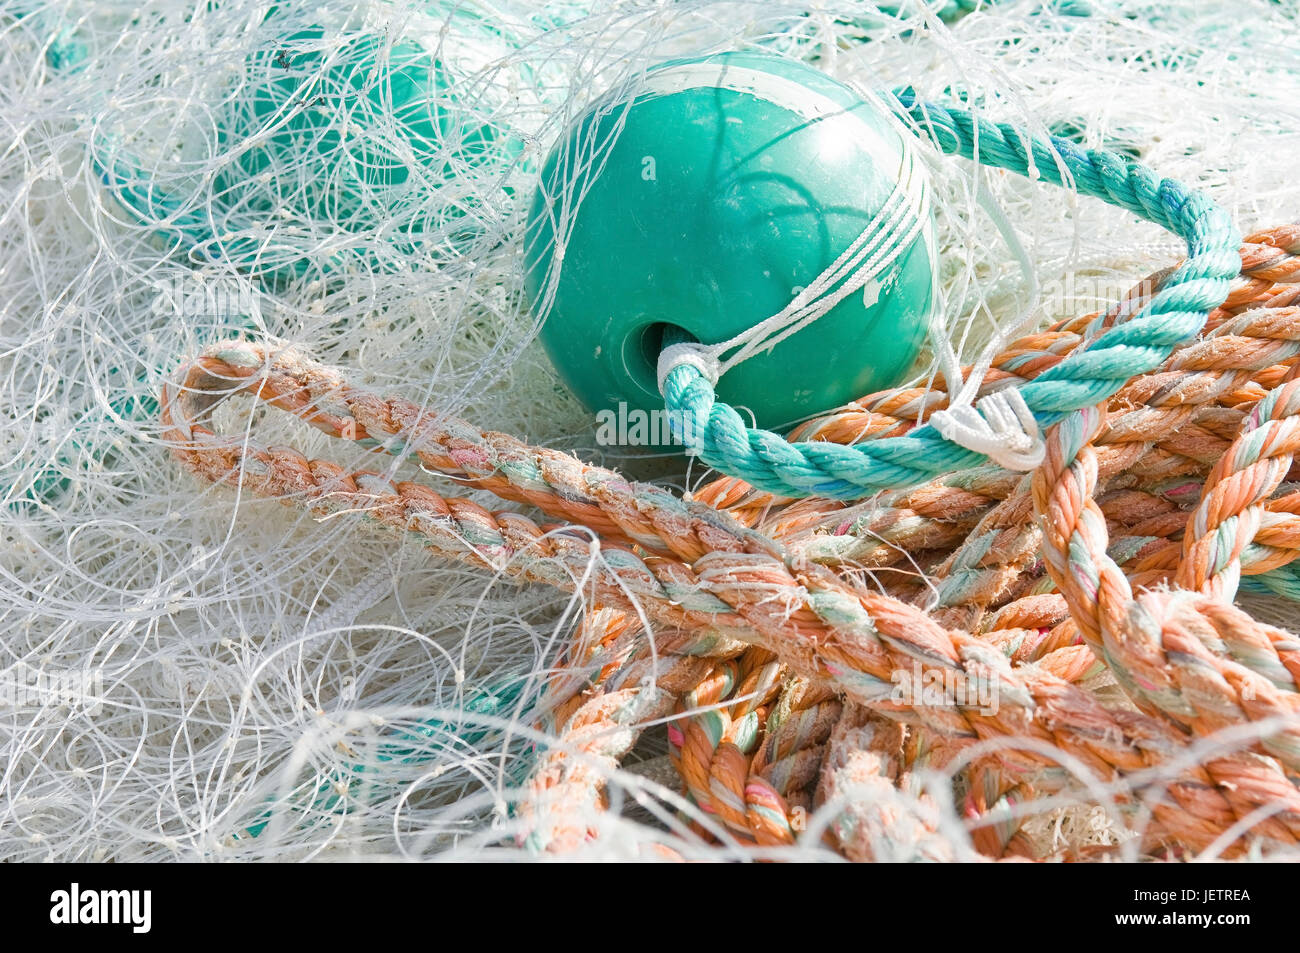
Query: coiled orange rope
point(1216, 426)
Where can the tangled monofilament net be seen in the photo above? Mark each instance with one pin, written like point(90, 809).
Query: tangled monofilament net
point(271, 686)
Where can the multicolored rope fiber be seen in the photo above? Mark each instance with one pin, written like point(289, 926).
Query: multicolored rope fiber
point(719, 436)
point(691, 568)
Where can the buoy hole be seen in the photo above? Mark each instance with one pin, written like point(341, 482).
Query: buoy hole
point(641, 356)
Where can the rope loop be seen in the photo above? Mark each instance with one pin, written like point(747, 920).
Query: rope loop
point(1138, 343)
point(1003, 428)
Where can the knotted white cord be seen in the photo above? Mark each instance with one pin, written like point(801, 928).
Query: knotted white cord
point(1001, 426)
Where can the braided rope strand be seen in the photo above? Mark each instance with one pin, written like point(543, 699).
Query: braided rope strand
point(599, 722)
point(817, 625)
point(1166, 648)
point(1260, 286)
point(1175, 314)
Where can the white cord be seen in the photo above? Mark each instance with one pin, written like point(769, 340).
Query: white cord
point(1003, 427)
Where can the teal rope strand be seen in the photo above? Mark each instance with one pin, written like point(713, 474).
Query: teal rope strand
point(716, 434)
point(416, 749)
point(1283, 581)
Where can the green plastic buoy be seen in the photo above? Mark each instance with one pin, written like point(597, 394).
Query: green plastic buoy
point(342, 144)
point(357, 136)
point(705, 203)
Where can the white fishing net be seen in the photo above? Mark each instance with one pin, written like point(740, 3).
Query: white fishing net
point(271, 686)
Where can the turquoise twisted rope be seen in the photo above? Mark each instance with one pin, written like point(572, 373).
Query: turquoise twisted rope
point(1283, 581)
point(715, 433)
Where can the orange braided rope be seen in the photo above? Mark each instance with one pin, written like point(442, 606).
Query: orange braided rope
point(862, 784)
point(1080, 661)
point(1269, 262)
point(599, 721)
point(1169, 424)
point(706, 573)
point(816, 623)
point(1178, 652)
